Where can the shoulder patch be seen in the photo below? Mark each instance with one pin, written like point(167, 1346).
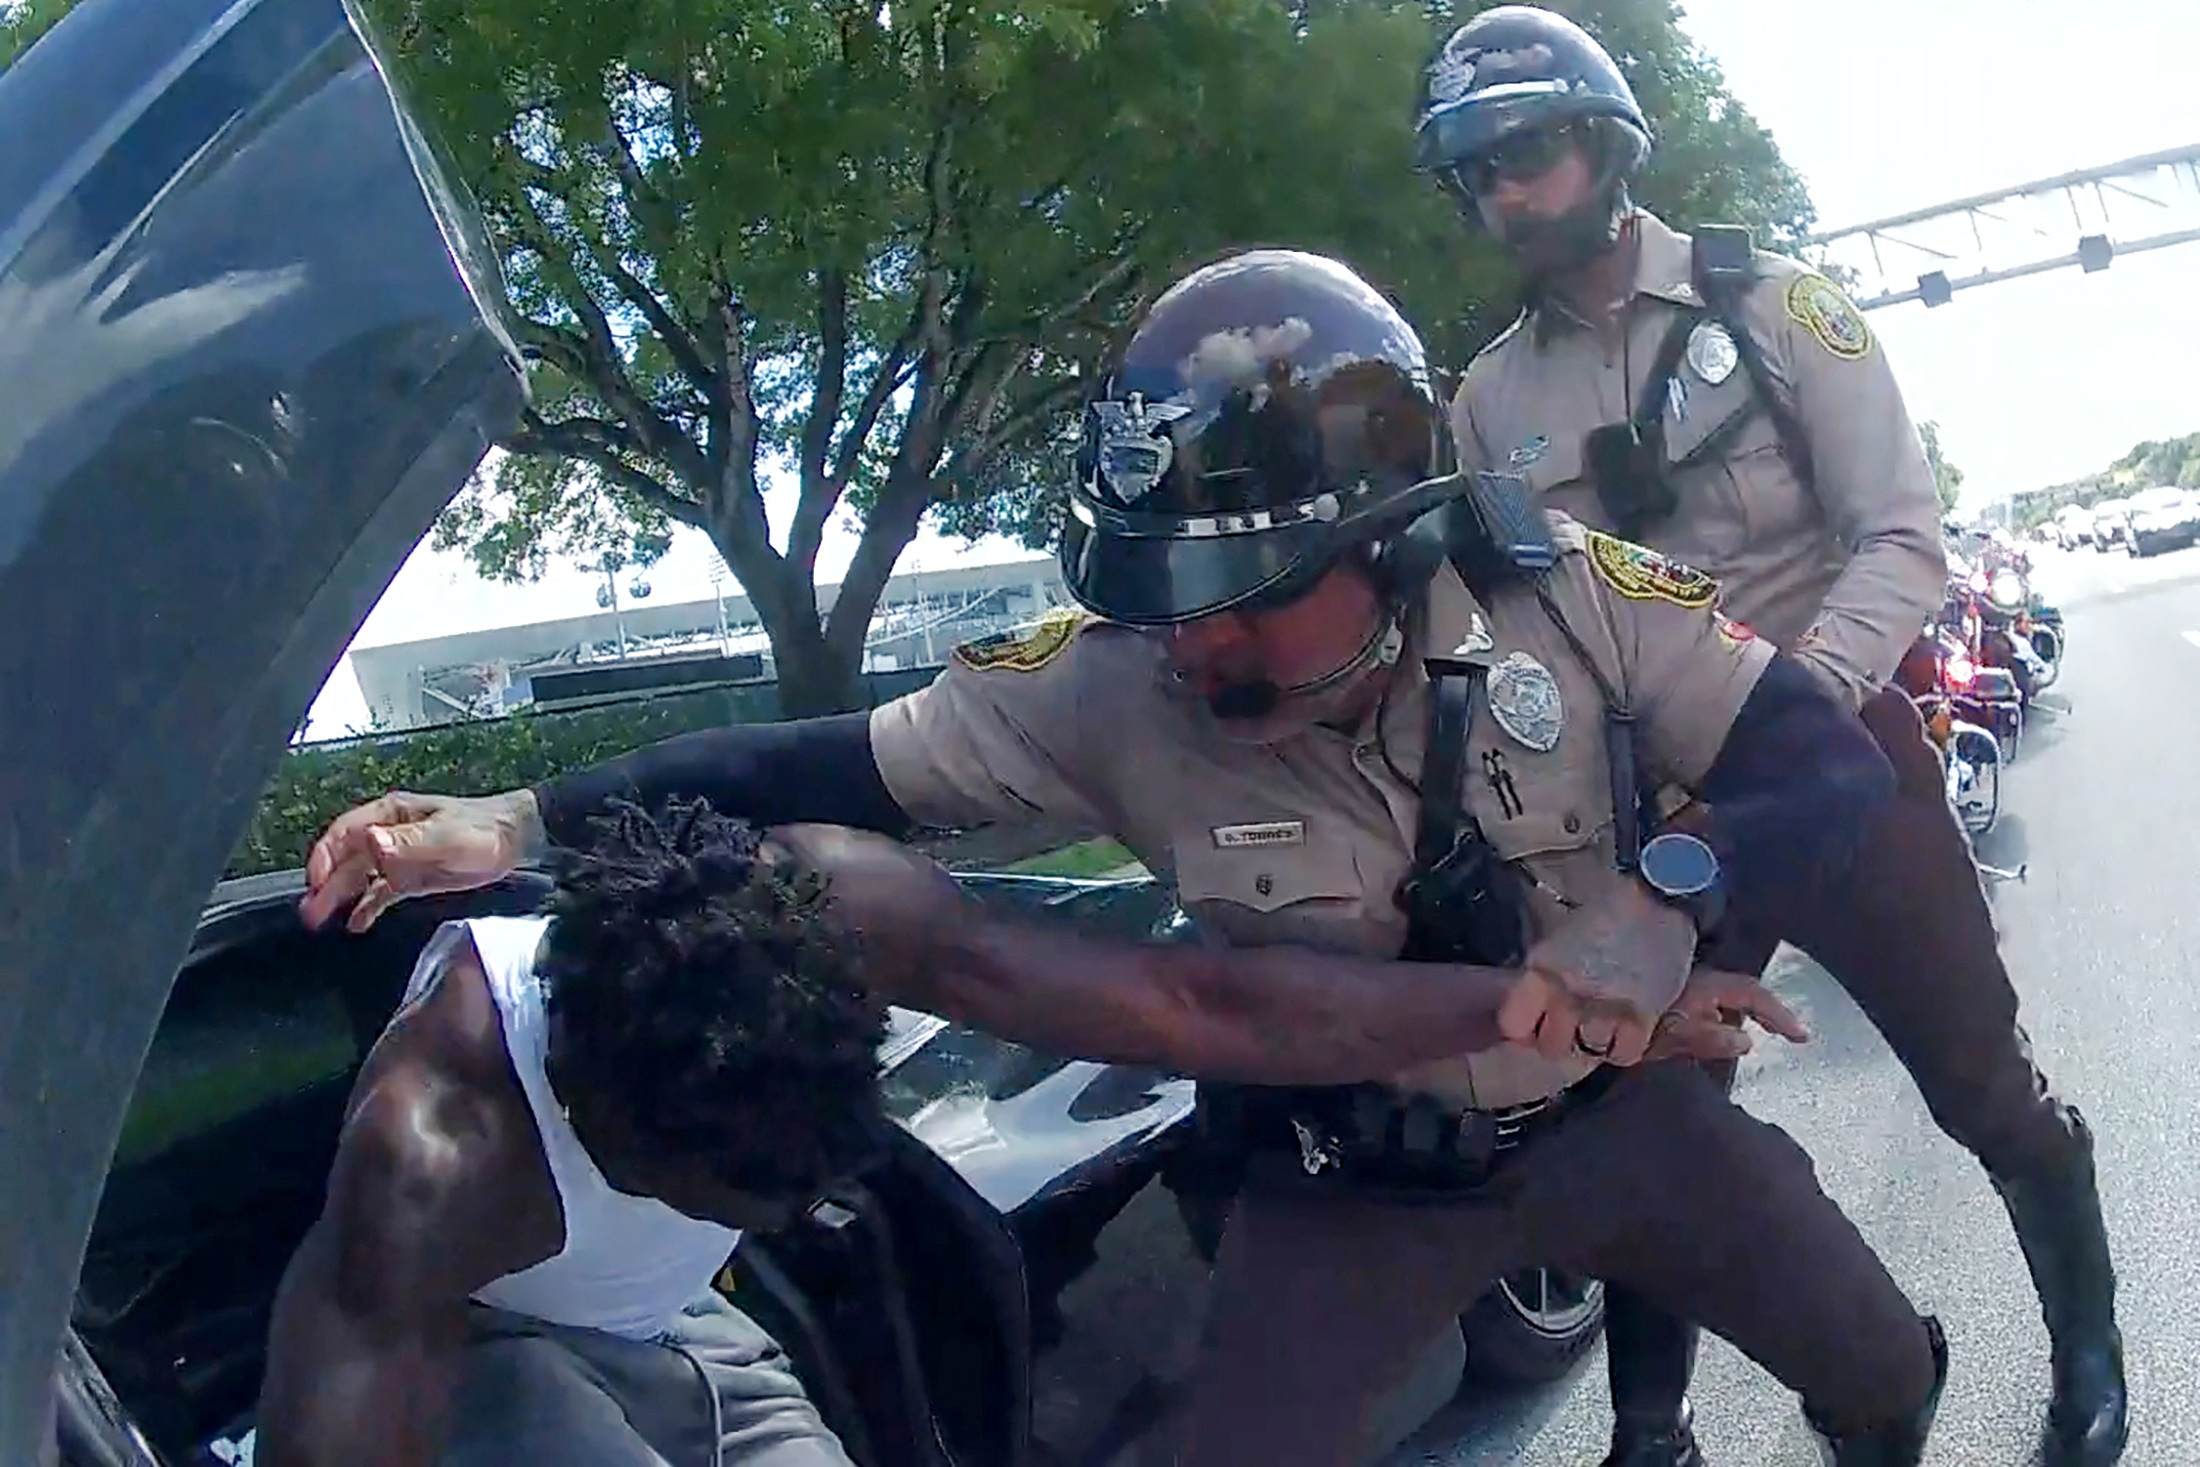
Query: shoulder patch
point(1825, 311)
point(1641, 574)
point(1027, 650)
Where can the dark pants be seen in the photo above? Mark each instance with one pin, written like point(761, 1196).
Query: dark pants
point(1910, 936)
point(1323, 1296)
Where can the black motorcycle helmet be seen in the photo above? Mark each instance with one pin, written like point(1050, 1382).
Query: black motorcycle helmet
point(1272, 413)
point(1519, 70)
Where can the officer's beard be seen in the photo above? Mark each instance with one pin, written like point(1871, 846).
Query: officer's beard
point(1261, 711)
point(1550, 250)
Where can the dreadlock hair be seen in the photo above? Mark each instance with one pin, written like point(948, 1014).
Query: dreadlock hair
point(700, 982)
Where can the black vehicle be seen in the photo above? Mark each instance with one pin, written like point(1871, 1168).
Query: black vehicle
point(1023, 1281)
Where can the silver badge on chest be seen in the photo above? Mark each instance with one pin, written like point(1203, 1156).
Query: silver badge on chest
point(1524, 700)
point(1711, 353)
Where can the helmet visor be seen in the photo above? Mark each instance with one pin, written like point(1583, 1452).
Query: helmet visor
point(1159, 569)
point(1459, 134)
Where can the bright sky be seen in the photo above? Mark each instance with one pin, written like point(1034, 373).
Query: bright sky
point(1889, 105)
point(1883, 105)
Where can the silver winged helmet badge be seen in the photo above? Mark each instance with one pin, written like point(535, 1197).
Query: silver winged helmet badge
point(1131, 451)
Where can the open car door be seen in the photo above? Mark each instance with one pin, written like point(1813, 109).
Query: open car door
point(248, 350)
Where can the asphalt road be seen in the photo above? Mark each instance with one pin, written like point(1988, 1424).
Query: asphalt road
point(2103, 939)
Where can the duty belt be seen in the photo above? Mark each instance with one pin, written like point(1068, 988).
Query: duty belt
point(1370, 1137)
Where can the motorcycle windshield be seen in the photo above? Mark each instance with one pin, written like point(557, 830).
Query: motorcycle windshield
point(248, 355)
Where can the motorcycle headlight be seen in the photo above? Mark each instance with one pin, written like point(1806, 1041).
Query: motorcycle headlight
point(2006, 588)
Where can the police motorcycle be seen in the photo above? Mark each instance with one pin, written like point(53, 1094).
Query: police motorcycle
point(2017, 629)
point(1940, 676)
point(1978, 669)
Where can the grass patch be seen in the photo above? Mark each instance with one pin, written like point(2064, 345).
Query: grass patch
point(1084, 860)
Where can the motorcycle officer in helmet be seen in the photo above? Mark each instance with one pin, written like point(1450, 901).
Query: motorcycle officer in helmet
point(1732, 409)
point(1353, 705)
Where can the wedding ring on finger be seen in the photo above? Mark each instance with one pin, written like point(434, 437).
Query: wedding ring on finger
point(1594, 1051)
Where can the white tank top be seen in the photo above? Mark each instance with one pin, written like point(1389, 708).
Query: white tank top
point(630, 1264)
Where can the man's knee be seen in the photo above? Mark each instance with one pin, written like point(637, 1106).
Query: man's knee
point(1881, 1386)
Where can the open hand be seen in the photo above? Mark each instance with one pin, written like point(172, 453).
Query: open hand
point(402, 845)
point(1704, 1022)
point(1707, 1021)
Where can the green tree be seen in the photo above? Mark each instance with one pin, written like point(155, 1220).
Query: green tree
point(22, 22)
point(879, 253)
point(1947, 478)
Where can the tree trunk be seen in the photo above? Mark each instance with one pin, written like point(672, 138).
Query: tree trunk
point(814, 679)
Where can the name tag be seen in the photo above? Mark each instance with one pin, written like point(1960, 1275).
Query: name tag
point(1260, 833)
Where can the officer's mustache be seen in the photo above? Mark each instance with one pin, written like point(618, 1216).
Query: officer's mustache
point(1257, 698)
point(1235, 701)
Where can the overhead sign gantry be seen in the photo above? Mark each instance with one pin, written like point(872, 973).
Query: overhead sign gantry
point(2086, 218)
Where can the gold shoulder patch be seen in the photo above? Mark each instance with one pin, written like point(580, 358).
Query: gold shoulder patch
point(1825, 311)
point(1027, 650)
point(1642, 574)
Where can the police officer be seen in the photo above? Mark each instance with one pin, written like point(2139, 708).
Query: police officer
point(1348, 703)
point(1733, 409)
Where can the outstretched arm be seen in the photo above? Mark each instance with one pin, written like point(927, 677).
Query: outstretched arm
point(1276, 1015)
point(1269, 1016)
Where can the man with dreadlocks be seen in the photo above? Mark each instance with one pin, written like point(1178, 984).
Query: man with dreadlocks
point(548, 1157)
point(552, 1149)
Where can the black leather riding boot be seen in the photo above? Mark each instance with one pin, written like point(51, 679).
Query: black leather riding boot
point(1896, 1443)
point(1649, 1357)
point(2057, 1213)
point(1649, 1354)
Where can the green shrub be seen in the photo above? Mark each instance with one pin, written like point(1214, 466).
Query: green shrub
point(317, 783)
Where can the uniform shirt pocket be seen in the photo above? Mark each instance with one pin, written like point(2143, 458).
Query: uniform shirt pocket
point(1310, 890)
point(1532, 803)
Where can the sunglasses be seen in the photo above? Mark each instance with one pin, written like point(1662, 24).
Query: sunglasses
point(1520, 157)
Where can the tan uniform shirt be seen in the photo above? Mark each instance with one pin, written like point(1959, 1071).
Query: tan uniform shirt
point(1306, 841)
point(1843, 574)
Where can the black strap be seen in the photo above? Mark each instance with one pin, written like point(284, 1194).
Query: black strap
point(1658, 386)
point(1463, 903)
point(1452, 686)
point(1622, 765)
point(1722, 286)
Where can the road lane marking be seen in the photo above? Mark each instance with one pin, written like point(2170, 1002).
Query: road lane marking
point(2192, 637)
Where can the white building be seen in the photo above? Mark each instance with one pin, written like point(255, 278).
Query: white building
point(920, 618)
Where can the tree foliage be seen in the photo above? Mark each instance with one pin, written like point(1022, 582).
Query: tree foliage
point(1947, 478)
point(22, 22)
point(880, 250)
point(2153, 464)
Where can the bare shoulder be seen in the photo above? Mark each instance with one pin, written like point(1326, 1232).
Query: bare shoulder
point(439, 1145)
